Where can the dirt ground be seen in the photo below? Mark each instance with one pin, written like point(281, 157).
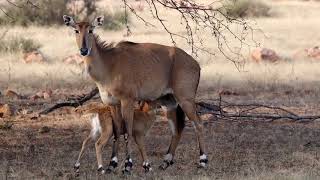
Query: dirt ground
point(237, 149)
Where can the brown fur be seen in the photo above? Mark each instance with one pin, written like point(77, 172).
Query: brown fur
point(143, 121)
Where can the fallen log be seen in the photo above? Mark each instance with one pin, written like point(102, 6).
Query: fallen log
point(74, 102)
point(219, 110)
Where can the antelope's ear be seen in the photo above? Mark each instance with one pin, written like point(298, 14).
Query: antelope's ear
point(98, 21)
point(68, 21)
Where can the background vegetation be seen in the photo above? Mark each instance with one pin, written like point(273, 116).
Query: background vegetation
point(50, 12)
point(247, 8)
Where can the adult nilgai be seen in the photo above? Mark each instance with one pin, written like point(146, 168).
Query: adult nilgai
point(128, 72)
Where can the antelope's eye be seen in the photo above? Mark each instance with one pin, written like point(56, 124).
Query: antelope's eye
point(90, 31)
point(76, 31)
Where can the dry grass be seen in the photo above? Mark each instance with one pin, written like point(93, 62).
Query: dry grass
point(287, 35)
point(237, 150)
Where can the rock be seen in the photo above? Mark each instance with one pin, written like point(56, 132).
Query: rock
point(228, 93)
point(34, 97)
point(46, 95)
point(44, 129)
point(313, 52)
point(6, 110)
point(264, 55)
point(49, 91)
point(39, 94)
point(12, 94)
point(34, 56)
point(73, 59)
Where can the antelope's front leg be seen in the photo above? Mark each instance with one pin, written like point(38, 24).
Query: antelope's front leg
point(127, 110)
point(101, 142)
point(139, 138)
point(117, 119)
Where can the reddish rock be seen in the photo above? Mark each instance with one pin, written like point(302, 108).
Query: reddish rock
point(34, 56)
point(6, 110)
point(46, 95)
point(39, 94)
point(73, 59)
point(228, 93)
point(49, 91)
point(313, 52)
point(264, 55)
point(34, 97)
point(12, 94)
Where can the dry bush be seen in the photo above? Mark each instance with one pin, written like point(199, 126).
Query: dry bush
point(16, 43)
point(115, 21)
point(50, 12)
point(246, 8)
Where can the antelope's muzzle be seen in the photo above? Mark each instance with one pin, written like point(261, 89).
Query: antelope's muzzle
point(84, 51)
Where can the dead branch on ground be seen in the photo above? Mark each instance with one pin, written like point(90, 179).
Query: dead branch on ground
point(73, 102)
point(221, 109)
point(253, 111)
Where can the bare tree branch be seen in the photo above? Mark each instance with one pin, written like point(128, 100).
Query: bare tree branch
point(195, 17)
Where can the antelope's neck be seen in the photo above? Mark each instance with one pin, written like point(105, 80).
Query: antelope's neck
point(98, 68)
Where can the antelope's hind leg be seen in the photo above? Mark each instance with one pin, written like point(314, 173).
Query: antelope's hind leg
point(83, 148)
point(189, 107)
point(176, 120)
point(102, 141)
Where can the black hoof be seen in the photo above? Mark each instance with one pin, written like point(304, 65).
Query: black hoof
point(203, 163)
point(76, 168)
point(147, 167)
point(165, 165)
point(126, 172)
point(112, 167)
point(109, 170)
point(127, 167)
point(76, 174)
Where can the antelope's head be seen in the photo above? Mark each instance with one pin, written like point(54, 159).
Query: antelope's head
point(83, 32)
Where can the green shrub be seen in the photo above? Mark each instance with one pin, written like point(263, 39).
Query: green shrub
point(15, 44)
point(50, 12)
point(115, 21)
point(246, 8)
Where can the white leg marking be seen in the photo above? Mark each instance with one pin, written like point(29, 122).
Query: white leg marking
point(147, 164)
point(102, 170)
point(168, 157)
point(96, 126)
point(172, 126)
point(77, 164)
point(115, 159)
point(203, 156)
